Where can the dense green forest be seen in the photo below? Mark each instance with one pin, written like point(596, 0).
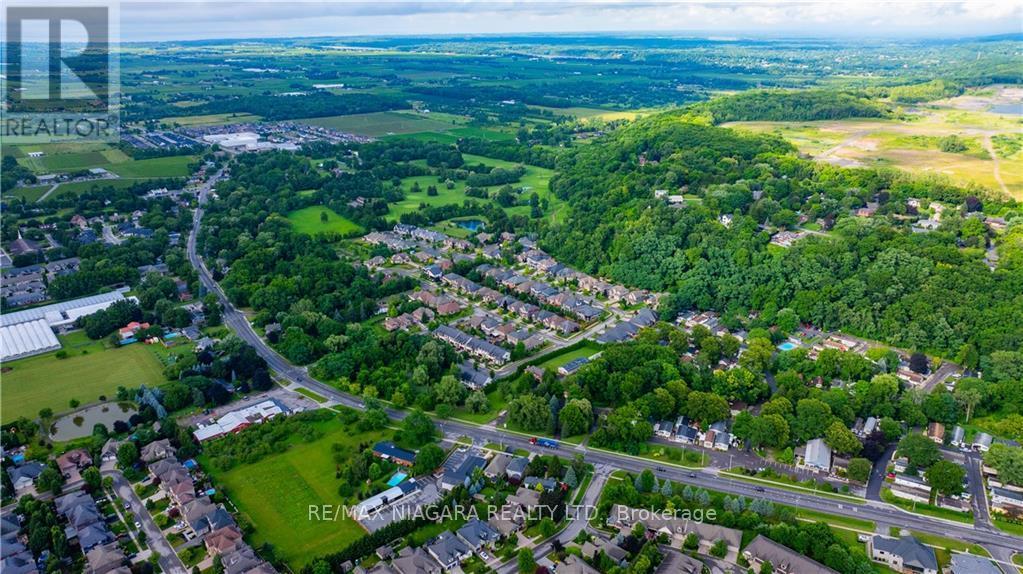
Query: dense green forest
point(867, 276)
point(803, 105)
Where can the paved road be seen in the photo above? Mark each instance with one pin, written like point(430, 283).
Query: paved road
point(707, 478)
point(575, 525)
point(169, 561)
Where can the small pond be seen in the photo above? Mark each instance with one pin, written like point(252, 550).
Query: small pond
point(1015, 109)
point(79, 423)
point(471, 224)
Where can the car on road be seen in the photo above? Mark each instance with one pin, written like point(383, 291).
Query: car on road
point(484, 556)
point(660, 469)
point(863, 537)
point(138, 524)
point(759, 489)
point(127, 505)
point(692, 475)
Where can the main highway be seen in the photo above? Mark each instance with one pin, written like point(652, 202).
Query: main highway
point(1001, 544)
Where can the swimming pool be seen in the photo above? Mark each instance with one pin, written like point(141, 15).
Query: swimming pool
point(787, 346)
point(397, 479)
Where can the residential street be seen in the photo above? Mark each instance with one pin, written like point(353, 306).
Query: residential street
point(169, 561)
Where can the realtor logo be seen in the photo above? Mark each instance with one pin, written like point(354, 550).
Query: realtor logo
point(60, 73)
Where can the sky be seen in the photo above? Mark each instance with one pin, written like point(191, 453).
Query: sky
point(182, 20)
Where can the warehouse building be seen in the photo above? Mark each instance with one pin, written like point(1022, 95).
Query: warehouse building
point(26, 339)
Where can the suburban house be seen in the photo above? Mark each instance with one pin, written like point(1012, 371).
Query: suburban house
point(817, 455)
point(416, 561)
point(25, 475)
point(782, 559)
point(448, 550)
point(905, 554)
point(516, 469)
point(1005, 501)
point(72, 462)
point(936, 432)
point(972, 564)
point(104, 559)
point(958, 437)
point(982, 442)
point(624, 517)
point(387, 450)
point(476, 534)
point(457, 476)
point(498, 465)
point(236, 421)
point(156, 450)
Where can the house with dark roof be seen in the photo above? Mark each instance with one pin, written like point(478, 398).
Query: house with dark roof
point(458, 476)
point(516, 468)
point(905, 554)
point(782, 559)
point(972, 564)
point(24, 476)
point(477, 534)
point(387, 450)
point(448, 550)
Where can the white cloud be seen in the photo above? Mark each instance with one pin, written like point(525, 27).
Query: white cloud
point(266, 18)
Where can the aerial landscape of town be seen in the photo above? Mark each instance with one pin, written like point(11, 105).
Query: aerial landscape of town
point(580, 288)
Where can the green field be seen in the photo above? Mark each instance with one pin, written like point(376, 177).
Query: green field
point(78, 187)
point(276, 492)
point(379, 124)
point(34, 383)
point(30, 193)
point(308, 220)
point(588, 349)
point(209, 120)
point(172, 166)
point(536, 179)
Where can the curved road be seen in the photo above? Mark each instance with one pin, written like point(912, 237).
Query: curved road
point(1001, 544)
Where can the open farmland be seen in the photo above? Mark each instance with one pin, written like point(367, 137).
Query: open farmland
point(379, 124)
point(912, 144)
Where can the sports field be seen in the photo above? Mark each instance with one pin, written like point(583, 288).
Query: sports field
point(275, 495)
point(308, 220)
point(91, 369)
point(378, 124)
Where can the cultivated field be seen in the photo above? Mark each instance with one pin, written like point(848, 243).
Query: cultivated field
point(307, 220)
point(173, 166)
point(275, 495)
point(91, 369)
point(379, 124)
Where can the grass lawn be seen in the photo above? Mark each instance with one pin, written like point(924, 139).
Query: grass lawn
point(30, 193)
point(791, 486)
point(835, 519)
point(584, 351)
point(1006, 526)
point(308, 220)
point(78, 187)
point(949, 543)
point(311, 395)
point(171, 166)
point(674, 455)
point(275, 495)
point(91, 369)
point(925, 509)
point(379, 124)
point(498, 403)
